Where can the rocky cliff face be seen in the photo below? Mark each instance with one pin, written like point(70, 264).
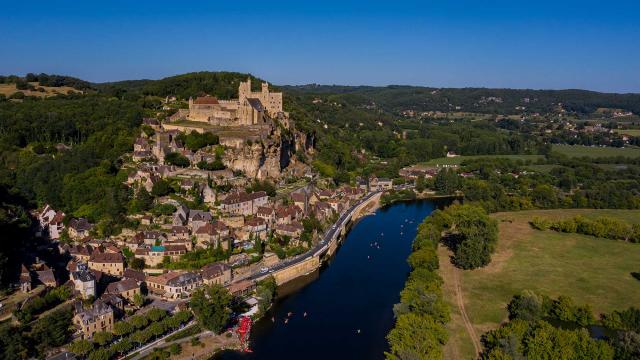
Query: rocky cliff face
point(263, 159)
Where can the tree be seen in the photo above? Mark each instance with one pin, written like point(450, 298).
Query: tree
point(81, 347)
point(211, 306)
point(138, 300)
point(102, 337)
point(177, 159)
point(143, 201)
point(99, 354)
point(416, 337)
point(137, 263)
point(265, 291)
point(122, 328)
point(161, 188)
point(420, 185)
point(446, 181)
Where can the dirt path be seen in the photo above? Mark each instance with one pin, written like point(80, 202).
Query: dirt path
point(463, 312)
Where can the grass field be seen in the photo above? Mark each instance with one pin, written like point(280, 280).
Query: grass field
point(459, 159)
point(8, 89)
point(631, 132)
point(590, 270)
point(595, 152)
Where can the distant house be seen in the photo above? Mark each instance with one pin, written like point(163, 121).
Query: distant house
point(178, 232)
point(293, 230)
point(152, 122)
point(243, 203)
point(217, 273)
point(287, 214)
point(99, 317)
point(256, 226)
point(81, 252)
point(109, 263)
point(267, 213)
point(198, 218)
point(46, 276)
point(208, 195)
point(174, 285)
point(300, 200)
point(134, 274)
point(242, 288)
point(26, 282)
point(79, 228)
point(154, 255)
point(322, 210)
point(126, 288)
point(211, 234)
point(56, 226)
point(84, 281)
point(141, 144)
point(380, 184)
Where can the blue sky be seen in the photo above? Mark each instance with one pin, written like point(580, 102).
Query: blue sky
point(448, 43)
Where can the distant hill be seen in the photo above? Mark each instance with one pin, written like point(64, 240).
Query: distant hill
point(224, 85)
point(397, 98)
point(393, 99)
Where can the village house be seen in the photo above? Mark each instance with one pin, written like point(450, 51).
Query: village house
point(208, 195)
point(217, 273)
point(136, 275)
point(80, 252)
point(56, 226)
point(99, 317)
point(256, 226)
point(325, 194)
point(198, 218)
point(178, 232)
point(79, 228)
point(293, 230)
point(141, 144)
point(287, 214)
point(26, 282)
point(267, 213)
point(322, 210)
point(152, 122)
point(110, 263)
point(174, 285)
point(380, 184)
point(242, 203)
point(300, 200)
point(150, 237)
point(153, 255)
point(211, 234)
point(126, 288)
point(45, 275)
point(84, 281)
point(337, 205)
point(242, 288)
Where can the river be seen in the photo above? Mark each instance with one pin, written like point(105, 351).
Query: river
point(349, 301)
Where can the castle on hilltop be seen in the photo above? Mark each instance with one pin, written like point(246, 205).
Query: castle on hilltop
point(251, 108)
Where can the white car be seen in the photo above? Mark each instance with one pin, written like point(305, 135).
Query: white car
point(264, 270)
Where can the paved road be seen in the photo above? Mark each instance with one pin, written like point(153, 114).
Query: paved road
point(326, 239)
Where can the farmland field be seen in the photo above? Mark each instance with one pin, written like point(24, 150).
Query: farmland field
point(595, 152)
point(590, 270)
point(632, 132)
